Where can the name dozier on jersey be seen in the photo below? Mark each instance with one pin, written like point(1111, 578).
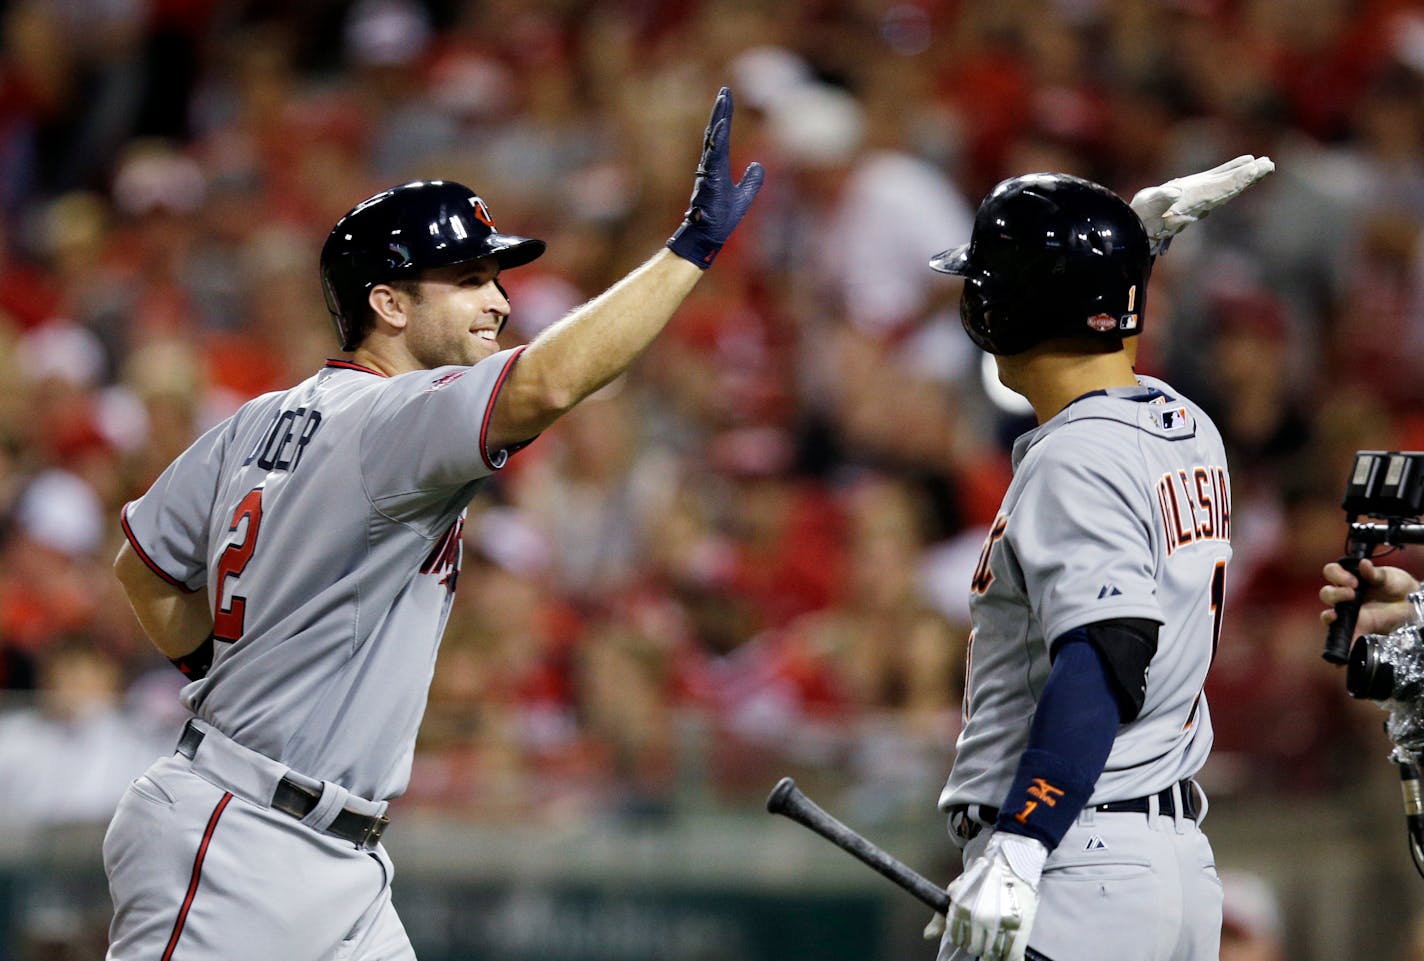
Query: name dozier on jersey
point(275, 451)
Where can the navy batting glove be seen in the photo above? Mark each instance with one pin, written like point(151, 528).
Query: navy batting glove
point(718, 204)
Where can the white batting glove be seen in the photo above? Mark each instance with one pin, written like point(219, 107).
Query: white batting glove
point(1166, 209)
point(993, 903)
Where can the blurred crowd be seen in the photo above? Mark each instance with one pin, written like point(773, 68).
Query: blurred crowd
point(750, 555)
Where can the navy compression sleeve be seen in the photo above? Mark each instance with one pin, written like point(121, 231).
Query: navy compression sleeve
point(1069, 740)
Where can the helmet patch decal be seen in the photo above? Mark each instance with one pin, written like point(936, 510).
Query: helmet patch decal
point(1128, 321)
point(1102, 322)
point(482, 213)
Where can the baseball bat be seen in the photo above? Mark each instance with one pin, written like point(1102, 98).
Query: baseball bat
point(788, 800)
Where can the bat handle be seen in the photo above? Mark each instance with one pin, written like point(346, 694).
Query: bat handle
point(788, 800)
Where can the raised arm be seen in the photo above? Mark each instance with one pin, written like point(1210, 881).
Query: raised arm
point(599, 340)
point(1168, 208)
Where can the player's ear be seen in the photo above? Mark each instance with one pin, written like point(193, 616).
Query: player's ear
point(388, 305)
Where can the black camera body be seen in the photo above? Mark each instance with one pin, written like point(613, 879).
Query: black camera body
point(1389, 668)
point(1386, 483)
point(1388, 488)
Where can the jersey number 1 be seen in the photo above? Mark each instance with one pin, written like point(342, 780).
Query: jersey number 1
point(1218, 608)
point(227, 619)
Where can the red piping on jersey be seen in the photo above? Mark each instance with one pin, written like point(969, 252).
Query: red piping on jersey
point(143, 555)
point(489, 411)
point(348, 365)
point(197, 876)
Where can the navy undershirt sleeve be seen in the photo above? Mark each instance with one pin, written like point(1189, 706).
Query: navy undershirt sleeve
point(1072, 733)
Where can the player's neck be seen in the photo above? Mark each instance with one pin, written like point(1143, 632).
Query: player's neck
point(1051, 379)
point(384, 359)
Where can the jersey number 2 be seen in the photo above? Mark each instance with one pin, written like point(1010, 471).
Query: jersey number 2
point(227, 619)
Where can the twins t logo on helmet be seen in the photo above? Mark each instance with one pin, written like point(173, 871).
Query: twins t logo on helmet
point(482, 213)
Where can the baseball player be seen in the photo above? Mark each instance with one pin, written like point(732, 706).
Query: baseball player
point(297, 563)
point(1098, 597)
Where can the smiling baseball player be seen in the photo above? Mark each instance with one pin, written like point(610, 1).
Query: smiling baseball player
point(1097, 601)
point(299, 560)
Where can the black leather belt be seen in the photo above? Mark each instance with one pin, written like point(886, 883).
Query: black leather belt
point(362, 830)
point(1166, 802)
point(967, 828)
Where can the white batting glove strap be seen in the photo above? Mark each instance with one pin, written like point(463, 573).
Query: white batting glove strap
point(993, 903)
point(1025, 855)
point(1166, 209)
point(934, 931)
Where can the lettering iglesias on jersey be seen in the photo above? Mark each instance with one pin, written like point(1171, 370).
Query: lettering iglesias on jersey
point(1194, 506)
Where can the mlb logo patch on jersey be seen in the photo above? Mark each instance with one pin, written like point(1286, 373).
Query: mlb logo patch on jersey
point(1171, 420)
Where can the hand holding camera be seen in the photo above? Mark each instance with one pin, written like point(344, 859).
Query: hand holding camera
point(1385, 595)
point(1384, 605)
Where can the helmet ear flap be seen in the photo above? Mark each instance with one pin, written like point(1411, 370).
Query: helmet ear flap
point(991, 313)
point(340, 288)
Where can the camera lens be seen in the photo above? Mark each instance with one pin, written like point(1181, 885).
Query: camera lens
point(1367, 675)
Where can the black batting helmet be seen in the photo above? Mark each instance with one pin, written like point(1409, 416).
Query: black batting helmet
point(402, 231)
point(1051, 256)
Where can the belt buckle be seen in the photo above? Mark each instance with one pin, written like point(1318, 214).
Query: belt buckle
point(965, 827)
point(375, 827)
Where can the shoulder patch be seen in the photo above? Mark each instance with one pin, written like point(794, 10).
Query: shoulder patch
point(446, 380)
point(1172, 420)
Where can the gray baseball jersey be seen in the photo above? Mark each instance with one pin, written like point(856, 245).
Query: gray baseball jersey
point(324, 522)
point(1120, 507)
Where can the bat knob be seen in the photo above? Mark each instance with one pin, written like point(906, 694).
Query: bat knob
point(776, 801)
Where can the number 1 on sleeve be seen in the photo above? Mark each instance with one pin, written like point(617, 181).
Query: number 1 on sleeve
point(1217, 595)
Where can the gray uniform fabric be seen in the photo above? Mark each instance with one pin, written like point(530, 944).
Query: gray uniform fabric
point(343, 572)
point(324, 521)
point(1120, 507)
